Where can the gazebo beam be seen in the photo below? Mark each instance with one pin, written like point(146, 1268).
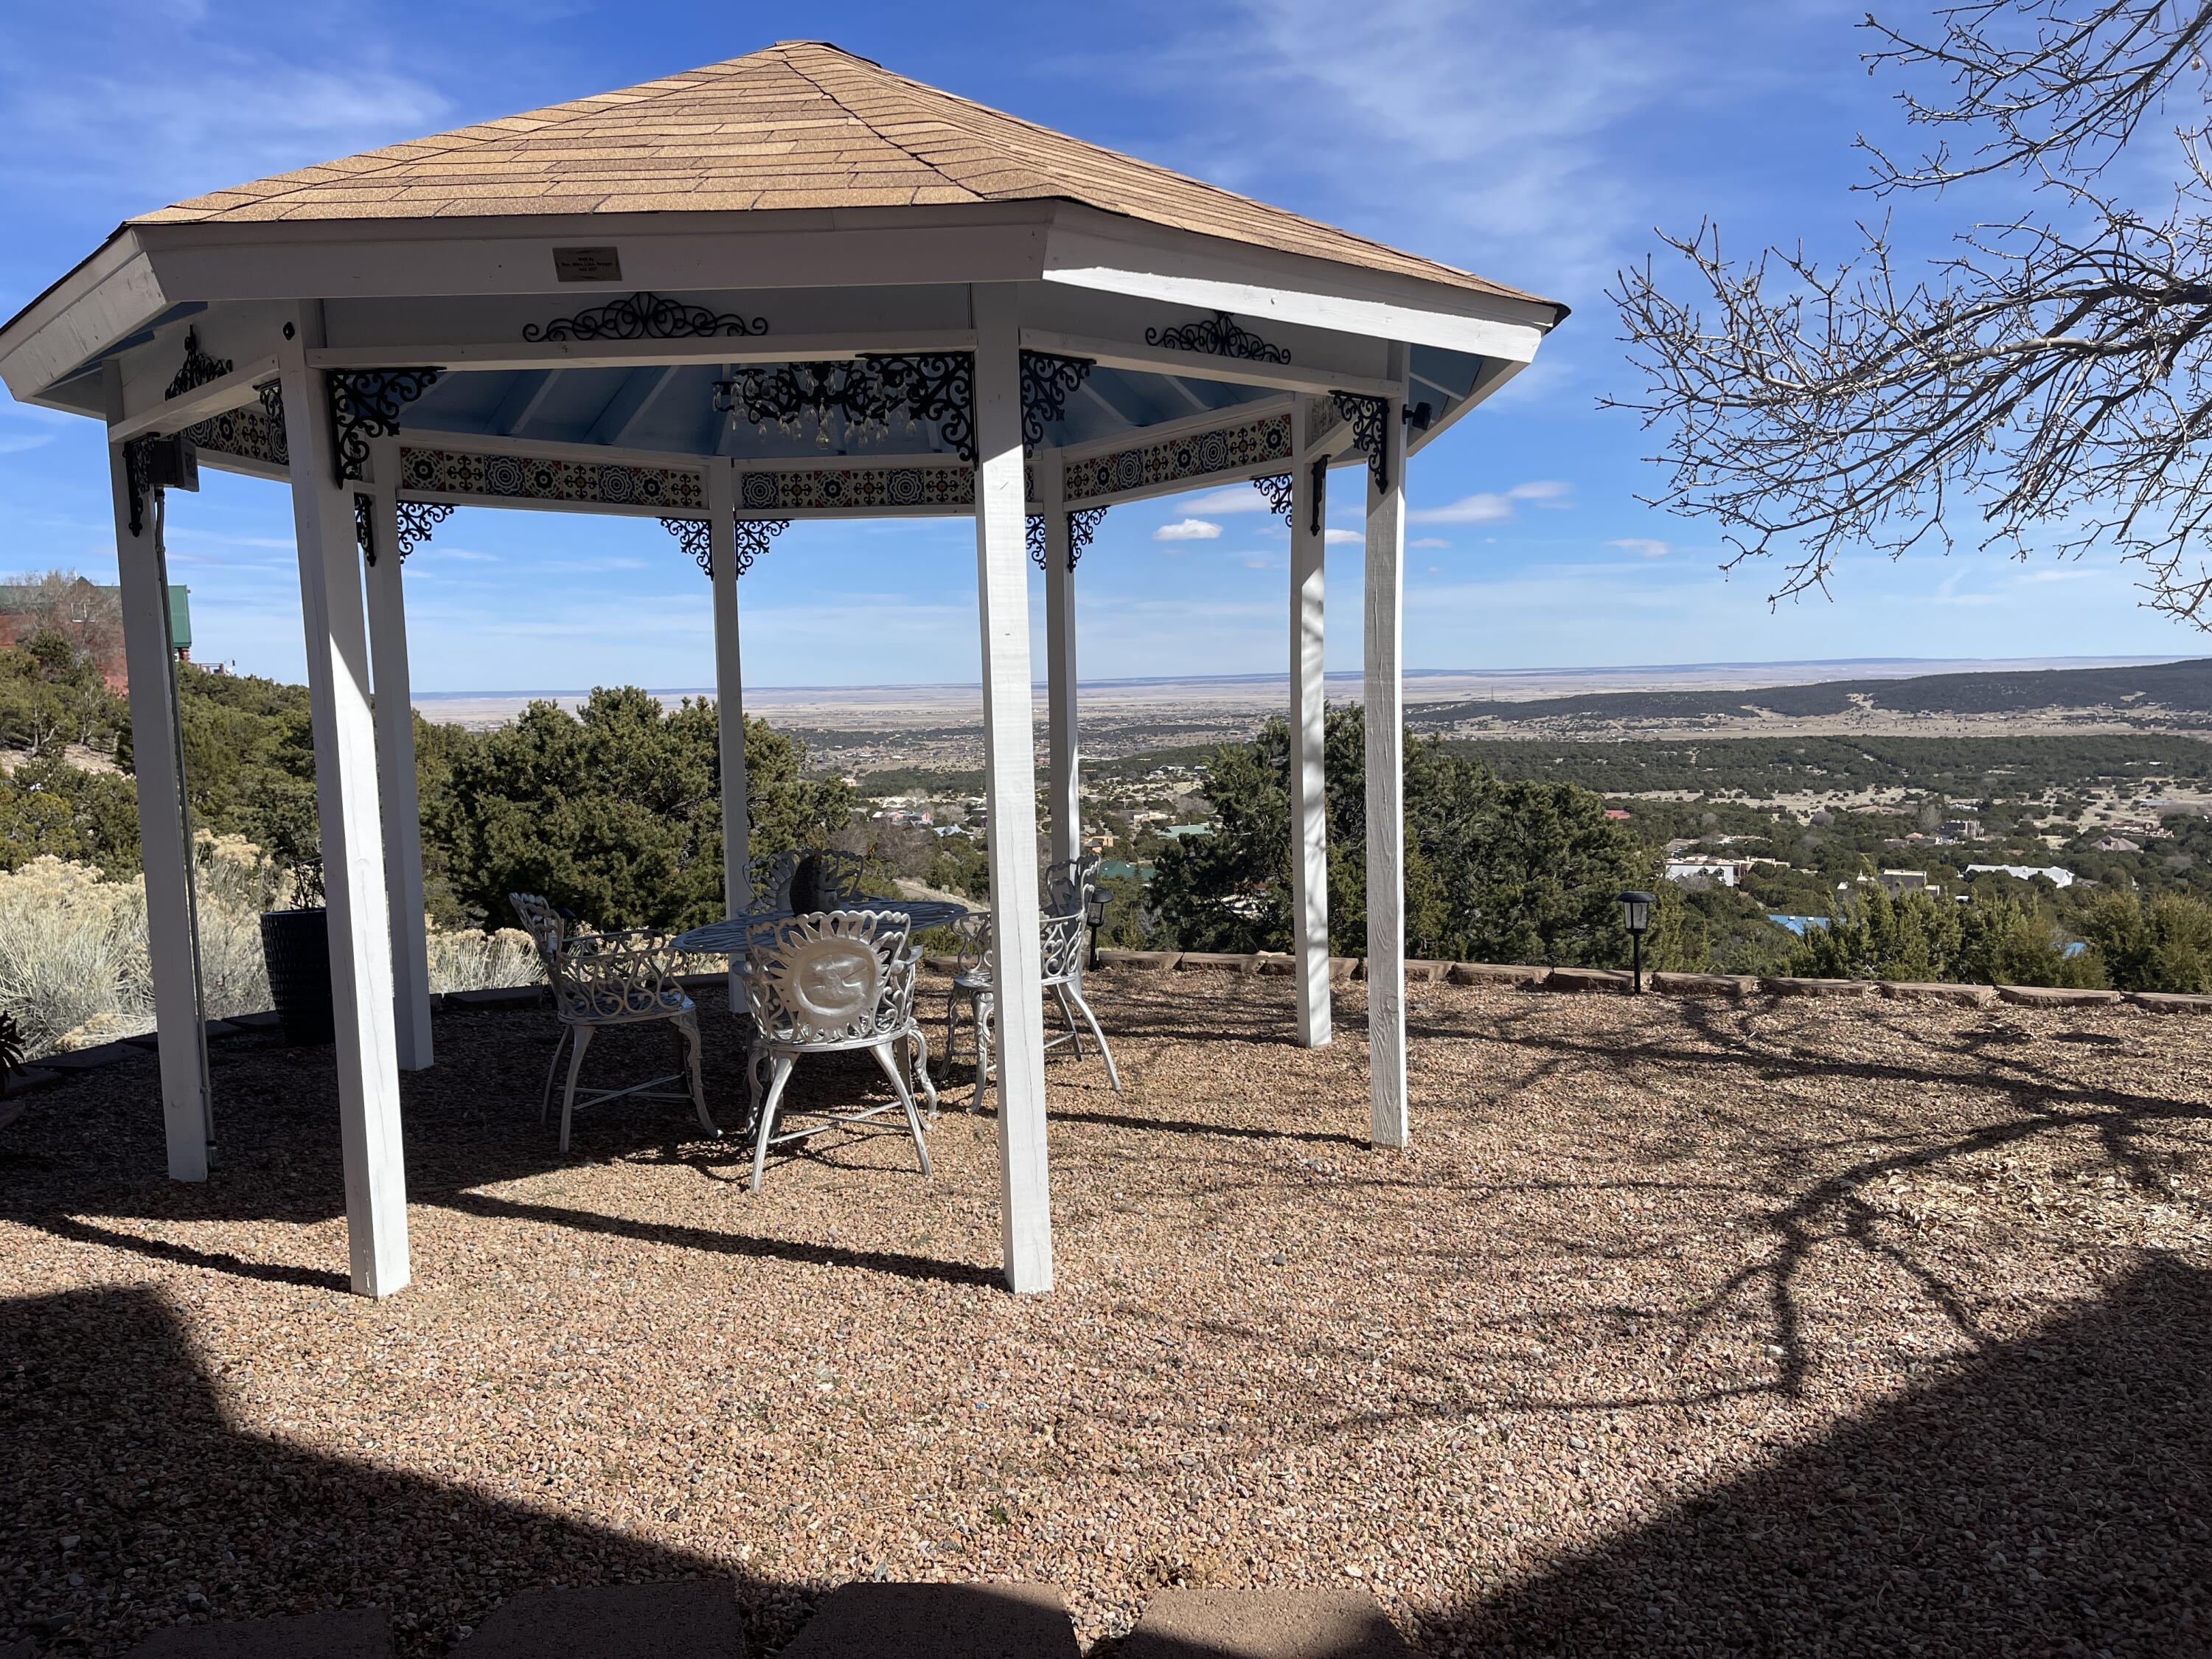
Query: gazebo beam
point(729, 691)
point(1309, 742)
point(1061, 695)
point(394, 715)
point(1010, 791)
point(1386, 790)
point(149, 661)
point(346, 798)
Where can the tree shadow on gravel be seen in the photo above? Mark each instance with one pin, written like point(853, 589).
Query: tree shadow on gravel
point(119, 1448)
point(2052, 1495)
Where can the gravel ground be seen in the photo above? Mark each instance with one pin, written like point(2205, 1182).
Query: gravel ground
point(1684, 1327)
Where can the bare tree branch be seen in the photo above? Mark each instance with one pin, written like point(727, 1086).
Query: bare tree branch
point(2050, 377)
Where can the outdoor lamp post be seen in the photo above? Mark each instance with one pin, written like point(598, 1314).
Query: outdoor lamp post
point(1094, 916)
point(1636, 911)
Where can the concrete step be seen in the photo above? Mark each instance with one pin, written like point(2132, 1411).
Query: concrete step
point(356, 1633)
point(938, 1621)
point(695, 1618)
point(1247, 1623)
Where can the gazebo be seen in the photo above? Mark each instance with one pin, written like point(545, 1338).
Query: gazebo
point(794, 285)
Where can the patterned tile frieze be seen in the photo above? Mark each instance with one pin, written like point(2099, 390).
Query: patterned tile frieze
point(246, 433)
point(858, 488)
point(1251, 443)
point(533, 478)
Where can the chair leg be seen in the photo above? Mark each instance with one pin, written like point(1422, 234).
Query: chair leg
point(546, 1100)
point(951, 1030)
point(1074, 1035)
point(882, 1051)
point(583, 1040)
point(688, 1027)
point(1113, 1072)
point(987, 1039)
point(767, 1116)
point(921, 1057)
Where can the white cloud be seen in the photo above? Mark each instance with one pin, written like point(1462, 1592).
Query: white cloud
point(1335, 537)
point(1428, 541)
point(1237, 498)
point(1188, 530)
point(1489, 507)
point(1644, 547)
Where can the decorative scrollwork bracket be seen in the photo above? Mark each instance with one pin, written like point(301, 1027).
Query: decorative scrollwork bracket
point(645, 316)
point(1222, 336)
point(1047, 381)
point(1082, 524)
point(413, 523)
point(198, 368)
point(1320, 479)
point(1371, 422)
point(365, 404)
point(1277, 489)
point(697, 538)
point(753, 536)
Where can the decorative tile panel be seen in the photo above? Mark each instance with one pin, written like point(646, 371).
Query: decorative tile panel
point(655, 489)
point(246, 433)
point(858, 488)
point(1227, 449)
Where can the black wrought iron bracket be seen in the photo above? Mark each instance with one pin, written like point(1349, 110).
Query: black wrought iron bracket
point(198, 368)
point(1320, 479)
point(646, 316)
point(1047, 383)
point(413, 523)
point(1083, 524)
point(271, 393)
point(1221, 336)
point(937, 386)
point(753, 536)
point(135, 476)
point(1278, 489)
point(1371, 422)
point(365, 404)
point(697, 538)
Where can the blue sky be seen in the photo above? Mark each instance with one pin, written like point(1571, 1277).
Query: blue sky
point(1536, 142)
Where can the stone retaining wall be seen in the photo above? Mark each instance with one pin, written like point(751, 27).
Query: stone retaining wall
point(1612, 981)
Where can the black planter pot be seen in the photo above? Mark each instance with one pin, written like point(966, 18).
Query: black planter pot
point(296, 945)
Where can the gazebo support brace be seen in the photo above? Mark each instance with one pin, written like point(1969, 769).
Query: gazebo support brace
point(729, 693)
point(1061, 695)
point(1308, 794)
point(168, 862)
point(1386, 823)
point(396, 788)
point(352, 837)
point(1010, 772)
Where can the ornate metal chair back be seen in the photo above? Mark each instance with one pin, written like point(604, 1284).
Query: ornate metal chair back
point(831, 978)
point(601, 977)
point(780, 880)
point(1068, 884)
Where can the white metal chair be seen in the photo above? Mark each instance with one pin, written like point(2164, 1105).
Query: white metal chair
point(835, 877)
point(828, 983)
point(1066, 940)
point(611, 979)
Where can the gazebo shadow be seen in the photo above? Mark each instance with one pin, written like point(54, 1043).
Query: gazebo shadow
point(2009, 1507)
point(121, 1456)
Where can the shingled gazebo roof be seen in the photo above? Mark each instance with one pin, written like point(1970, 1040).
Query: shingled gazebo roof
point(799, 124)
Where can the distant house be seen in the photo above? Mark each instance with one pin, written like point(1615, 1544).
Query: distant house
point(2057, 875)
point(1900, 881)
point(1696, 867)
point(1616, 814)
point(90, 614)
point(1961, 830)
point(1182, 831)
point(2118, 844)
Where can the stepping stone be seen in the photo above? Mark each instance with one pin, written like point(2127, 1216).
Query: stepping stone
point(1247, 1624)
point(938, 1621)
point(695, 1619)
point(356, 1633)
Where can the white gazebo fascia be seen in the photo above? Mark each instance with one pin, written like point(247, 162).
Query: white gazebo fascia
point(1058, 361)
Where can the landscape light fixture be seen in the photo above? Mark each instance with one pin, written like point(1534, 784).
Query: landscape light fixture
point(1636, 913)
point(1094, 915)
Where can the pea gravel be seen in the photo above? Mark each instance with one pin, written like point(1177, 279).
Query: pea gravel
point(1684, 1327)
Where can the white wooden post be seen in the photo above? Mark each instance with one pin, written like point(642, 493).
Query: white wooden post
point(1386, 815)
point(1066, 788)
point(729, 689)
point(346, 803)
point(1010, 789)
point(149, 659)
point(395, 775)
point(1309, 784)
